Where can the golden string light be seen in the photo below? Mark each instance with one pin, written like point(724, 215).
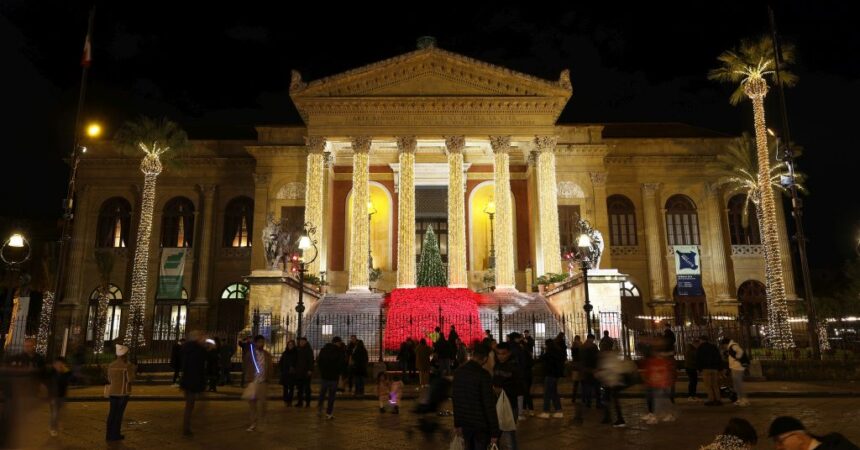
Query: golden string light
point(548, 204)
point(151, 168)
point(780, 335)
point(503, 224)
point(456, 213)
point(406, 213)
point(358, 267)
point(101, 320)
point(45, 323)
point(314, 181)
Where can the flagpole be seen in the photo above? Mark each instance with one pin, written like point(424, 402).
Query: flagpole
point(68, 202)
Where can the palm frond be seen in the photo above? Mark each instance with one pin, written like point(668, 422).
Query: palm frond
point(753, 58)
point(161, 137)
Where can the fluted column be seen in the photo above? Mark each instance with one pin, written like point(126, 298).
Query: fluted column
point(456, 213)
point(314, 181)
point(722, 287)
point(207, 228)
point(504, 229)
point(406, 213)
point(601, 215)
point(656, 262)
point(548, 204)
point(360, 241)
point(261, 213)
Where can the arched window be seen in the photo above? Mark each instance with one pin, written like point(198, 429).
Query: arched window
point(235, 290)
point(752, 296)
point(631, 300)
point(629, 289)
point(114, 223)
point(113, 314)
point(740, 234)
point(682, 221)
point(238, 222)
point(622, 220)
point(177, 223)
point(170, 318)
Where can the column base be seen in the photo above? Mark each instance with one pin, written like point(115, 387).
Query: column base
point(358, 290)
point(406, 286)
point(506, 289)
point(457, 286)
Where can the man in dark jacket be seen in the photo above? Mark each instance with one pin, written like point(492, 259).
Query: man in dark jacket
point(331, 365)
point(474, 402)
point(789, 433)
point(303, 371)
point(590, 386)
point(507, 374)
point(193, 382)
point(710, 363)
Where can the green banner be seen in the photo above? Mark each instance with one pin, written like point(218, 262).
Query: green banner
point(171, 273)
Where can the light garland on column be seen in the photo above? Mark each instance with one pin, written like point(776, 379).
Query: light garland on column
point(504, 239)
point(653, 241)
point(406, 213)
point(756, 89)
point(45, 323)
point(548, 204)
point(359, 278)
point(101, 320)
point(151, 168)
point(314, 189)
point(456, 213)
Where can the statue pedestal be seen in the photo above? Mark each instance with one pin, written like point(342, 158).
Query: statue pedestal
point(273, 298)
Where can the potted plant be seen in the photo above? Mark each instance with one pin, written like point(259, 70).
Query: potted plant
point(315, 282)
point(550, 281)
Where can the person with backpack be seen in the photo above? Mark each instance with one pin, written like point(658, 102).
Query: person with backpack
point(738, 361)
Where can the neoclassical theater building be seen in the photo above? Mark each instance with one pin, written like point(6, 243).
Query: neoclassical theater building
point(434, 139)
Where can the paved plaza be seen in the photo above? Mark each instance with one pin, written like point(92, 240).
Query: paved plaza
point(358, 425)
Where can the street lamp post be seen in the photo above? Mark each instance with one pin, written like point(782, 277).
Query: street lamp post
point(490, 210)
point(584, 256)
point(370, 212)
point(13, 264)
point(306, 242)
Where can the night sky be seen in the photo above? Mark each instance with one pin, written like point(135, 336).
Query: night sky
point(219, 70)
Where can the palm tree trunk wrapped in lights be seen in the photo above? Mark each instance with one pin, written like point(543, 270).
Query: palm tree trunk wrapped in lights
point(104, 262)
point(748, 66)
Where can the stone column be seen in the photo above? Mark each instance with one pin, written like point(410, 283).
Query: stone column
point(784, 250)
point(601, 215)
point(314, 183)
point(504, 229)
point(207, 228)
point(548, 204)
point(78, 249)
point(456, 213)
point(261, 211)
point(360, 241)
point(653, 241)
point(406, 213)
point(722, 288)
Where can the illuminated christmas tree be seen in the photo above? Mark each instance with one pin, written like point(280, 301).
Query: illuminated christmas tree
point(431, 272)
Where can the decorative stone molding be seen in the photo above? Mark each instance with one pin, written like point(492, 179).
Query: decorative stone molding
point(315, 144)
point(652, 160)
point(291, 191)
point(261, 179)
point(756, 251)
point(598, 178)
point(455, 144)
point(406, 144)
point(500, 144)
point(545, 143)
point(625, 250)
point(361, 144)
point(570, 189)
point(650, 188)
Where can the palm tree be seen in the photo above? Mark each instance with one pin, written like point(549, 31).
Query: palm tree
point(104, 263)
point(157, 139)
point(45, 283)
point(748, 67)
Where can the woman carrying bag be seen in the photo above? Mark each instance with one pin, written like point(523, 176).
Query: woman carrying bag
point(256, 392)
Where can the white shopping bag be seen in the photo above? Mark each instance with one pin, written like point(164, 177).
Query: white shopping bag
point(457, 443)
point(505, 413)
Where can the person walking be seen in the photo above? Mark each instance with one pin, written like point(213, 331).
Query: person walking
point(611, 373)
point(789, 433)
point(475, 417)
point(736, 358)
point(258, 387)
point(507, 377)
point(691, 368)
point(176, 360)
point(710, 363)
point(576, 373)
point(529, 342)
point(213, 369)
point(288, 372)
point(606, 343)
point(350, 348)
point(422, 362)
point(120, 376)
point(193, 382)
point(553, 370)
point(331, 364)
point(304, 370)
point(58, 385)
point(443, 355)
point(358, 371)
point(590, 386)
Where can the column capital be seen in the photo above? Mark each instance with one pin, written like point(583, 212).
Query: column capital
point(407, 144)
point(455, 144)
point(361, 144)
point(545, 143)
point(261, 179)
point(208, 190)
point(650, 188)
point(598, 178)
point(315, 144)
point(500, 144)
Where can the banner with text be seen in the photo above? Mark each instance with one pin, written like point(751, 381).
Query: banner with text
point(688, 270)
point(171, 273)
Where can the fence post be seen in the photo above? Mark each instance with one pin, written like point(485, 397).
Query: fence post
point(500, 324)
point(381, 328)
point(441, 320)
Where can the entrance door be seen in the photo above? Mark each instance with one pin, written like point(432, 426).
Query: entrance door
point(689, 308)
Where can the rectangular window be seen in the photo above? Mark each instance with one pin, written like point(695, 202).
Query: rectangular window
point(540, 330)
point(169, 323)
point(327, 330)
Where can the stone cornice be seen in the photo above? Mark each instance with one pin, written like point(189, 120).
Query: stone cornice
point(660, 160)
point(582, 149)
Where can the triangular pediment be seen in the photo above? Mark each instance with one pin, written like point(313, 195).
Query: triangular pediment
point(430, 72)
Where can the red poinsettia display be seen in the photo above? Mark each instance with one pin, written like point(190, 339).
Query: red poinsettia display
point(417, 312)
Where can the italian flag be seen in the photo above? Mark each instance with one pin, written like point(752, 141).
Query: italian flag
point(86, 58)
